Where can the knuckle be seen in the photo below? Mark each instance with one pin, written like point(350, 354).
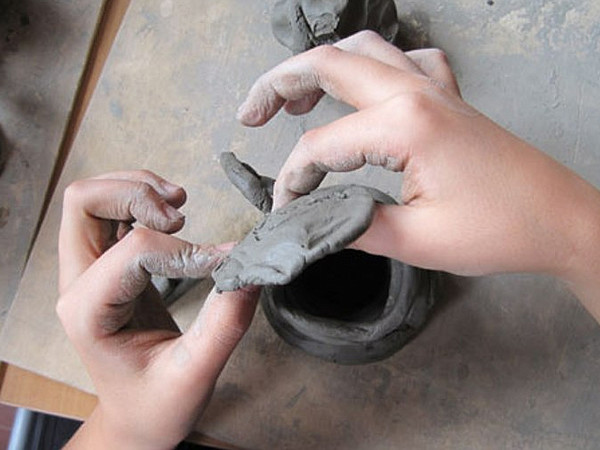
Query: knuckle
point(284, 83)
point(140, 239)
point(74, 192)
point(415, 104)
point(144, 174)
point(309, 140)
point(142, 190)
point(416, 107)
point(323, 52)
point(137, 198)
point(368, 37)
point(437, 55)
point(142, 197)
point(144, 204)
point(61, 309)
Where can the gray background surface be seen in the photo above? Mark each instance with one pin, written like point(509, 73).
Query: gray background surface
point(507, 361)
point(43, 46)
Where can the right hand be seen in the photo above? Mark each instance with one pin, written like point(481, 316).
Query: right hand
point(475, 198)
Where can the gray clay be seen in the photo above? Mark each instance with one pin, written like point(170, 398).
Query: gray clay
point(345, 306)
point(291, 238)
point(389, 304)
point(257, 189)
point(302, 24)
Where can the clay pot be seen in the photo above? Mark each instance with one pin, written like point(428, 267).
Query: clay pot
point(351, 307)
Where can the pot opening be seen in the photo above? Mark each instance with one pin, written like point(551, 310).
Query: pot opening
point(350, 286)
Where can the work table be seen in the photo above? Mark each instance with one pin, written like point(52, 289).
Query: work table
point(505, 361)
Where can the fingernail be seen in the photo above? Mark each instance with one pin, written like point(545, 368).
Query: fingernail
point(170, 187)
point(240, 111)
point(246, 115)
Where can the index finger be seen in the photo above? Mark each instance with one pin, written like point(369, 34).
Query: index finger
point(339, 147)
point(92, 207)
point(101, 301)
point(357, 80)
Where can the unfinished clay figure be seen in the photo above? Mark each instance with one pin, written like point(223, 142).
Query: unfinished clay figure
point(303, 24)
point(345, 306)
point(257, 189)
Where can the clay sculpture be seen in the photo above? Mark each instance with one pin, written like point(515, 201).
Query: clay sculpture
point(342, 305)
point(302, 24)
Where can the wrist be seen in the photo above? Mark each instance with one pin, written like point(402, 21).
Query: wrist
point(581, 270)
point(99, 432)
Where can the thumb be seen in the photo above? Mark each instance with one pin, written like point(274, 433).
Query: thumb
point(101, 300)
point(406, 233)
point(220, 325)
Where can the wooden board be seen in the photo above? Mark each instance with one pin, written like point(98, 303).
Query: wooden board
point(506, 361)
point(24, 389)
point(43, 48)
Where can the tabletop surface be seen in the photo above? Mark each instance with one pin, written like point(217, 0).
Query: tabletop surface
point(42, 52)
point(505, 361)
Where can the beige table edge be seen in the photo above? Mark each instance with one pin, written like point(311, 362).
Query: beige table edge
point(25, 389)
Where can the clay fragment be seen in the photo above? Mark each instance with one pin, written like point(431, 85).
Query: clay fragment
point(257, 189)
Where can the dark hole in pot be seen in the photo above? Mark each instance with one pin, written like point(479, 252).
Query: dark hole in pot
point(348, 286)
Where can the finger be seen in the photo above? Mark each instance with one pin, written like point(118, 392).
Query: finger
point(122, 200)
point(173, 194)
point(88, 209)
point(383, 230)
point(370, 44)
point(345, 145)
point(431, 62)
point(101, 301)
point(415, 236)
point(303, 105)
point(354, 79)
point(434, 64)
point(365, 43)
point(220, 325)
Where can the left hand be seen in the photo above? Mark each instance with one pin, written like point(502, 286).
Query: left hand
point(153, 382)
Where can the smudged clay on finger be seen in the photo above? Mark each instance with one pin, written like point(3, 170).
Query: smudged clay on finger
point(173, 193)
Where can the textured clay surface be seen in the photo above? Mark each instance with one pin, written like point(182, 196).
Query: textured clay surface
point(302, 24)
point(291, 238)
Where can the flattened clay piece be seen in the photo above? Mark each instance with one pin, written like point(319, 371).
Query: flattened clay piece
point(344, 306)
point(303, 24)
point(289, 239)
